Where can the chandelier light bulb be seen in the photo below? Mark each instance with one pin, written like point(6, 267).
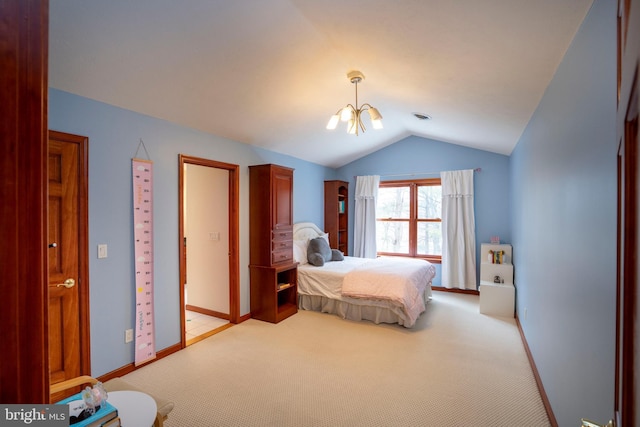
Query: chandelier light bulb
point(333, 122)
point(376, 118)
point(346, 114)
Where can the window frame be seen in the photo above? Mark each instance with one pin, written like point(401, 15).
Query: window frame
point(413, 220)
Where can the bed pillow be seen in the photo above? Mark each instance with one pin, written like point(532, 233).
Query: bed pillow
point(318, 252)
point(300, 251)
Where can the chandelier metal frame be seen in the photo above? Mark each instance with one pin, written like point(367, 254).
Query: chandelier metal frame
point(353, 114)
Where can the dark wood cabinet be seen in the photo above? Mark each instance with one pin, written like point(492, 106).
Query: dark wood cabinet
point(273, 273)
point(274, 292)
point(270, 215)
point(336, 214)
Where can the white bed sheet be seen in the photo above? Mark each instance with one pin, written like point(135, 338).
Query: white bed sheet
point(320, 289)
point(326, 280)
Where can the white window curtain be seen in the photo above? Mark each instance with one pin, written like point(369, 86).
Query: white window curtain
point(458, 230)
point(364, 221)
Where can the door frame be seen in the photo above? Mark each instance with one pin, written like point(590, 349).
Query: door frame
point(83, 244)
point(627, 277)
point(627, 387)
point(234, 271)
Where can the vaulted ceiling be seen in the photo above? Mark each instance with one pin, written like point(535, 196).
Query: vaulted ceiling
point(271, 72)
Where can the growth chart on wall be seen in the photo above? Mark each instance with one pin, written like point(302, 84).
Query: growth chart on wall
point(143, 235)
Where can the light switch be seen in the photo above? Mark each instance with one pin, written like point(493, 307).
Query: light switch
point(102, 251)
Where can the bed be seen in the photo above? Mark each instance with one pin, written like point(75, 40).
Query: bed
point(381, 290)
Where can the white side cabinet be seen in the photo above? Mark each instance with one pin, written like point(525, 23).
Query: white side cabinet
point(497, 293)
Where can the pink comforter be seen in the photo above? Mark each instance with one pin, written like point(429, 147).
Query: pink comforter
point(397, 279)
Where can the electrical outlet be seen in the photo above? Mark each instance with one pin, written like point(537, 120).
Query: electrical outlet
point(525, 313)
point(128, 335)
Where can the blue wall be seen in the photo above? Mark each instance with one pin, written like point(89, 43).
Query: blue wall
point(416, 155)
point(563, 198)
point(114, 134)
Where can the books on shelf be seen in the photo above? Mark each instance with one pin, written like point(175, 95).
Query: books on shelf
point(106, 415)
point(282, 286)
point(496, 257)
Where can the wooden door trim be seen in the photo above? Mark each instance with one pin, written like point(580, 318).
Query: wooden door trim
point(83, 245)
point(234, 209)
point(627, 278)
point(24, 33)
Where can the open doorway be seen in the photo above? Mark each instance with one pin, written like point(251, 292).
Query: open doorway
point(208, 204)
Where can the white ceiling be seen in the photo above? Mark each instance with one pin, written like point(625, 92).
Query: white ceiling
point(271, 72)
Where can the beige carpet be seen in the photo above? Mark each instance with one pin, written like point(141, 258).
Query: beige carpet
point(456, 367)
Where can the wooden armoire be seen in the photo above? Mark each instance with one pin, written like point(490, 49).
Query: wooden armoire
point(273, 272)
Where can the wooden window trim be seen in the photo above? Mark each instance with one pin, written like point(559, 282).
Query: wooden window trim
point(413, 219)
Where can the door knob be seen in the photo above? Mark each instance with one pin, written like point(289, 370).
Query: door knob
point(69, 283)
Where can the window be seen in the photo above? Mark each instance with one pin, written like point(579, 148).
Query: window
point(409, 220)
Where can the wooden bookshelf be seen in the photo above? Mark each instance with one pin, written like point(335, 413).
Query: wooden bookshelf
point(336, 214)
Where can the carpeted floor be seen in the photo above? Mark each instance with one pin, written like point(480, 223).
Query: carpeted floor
point(456, 367)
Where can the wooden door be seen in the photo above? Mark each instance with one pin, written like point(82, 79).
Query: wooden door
point(67, 255)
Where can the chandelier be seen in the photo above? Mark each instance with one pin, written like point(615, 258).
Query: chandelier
point(353, 114)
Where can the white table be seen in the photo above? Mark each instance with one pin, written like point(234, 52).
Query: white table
point(135, 409)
